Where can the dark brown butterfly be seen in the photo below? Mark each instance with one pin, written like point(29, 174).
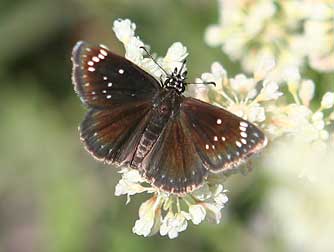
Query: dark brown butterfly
point(173, 140)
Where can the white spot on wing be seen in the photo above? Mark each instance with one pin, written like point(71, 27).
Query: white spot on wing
point(219, 121)
point(96, 59)
point(91, 69)
point(207, 146)
point(244, 124)
point(109, 84)
point(243, 134)
point(90, 63)
point(238, 144)
point(108, 96)
point(121, 71)
point(103, 52)
point(242, 128)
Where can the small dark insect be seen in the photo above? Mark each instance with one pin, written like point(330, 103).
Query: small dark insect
point(173, 140)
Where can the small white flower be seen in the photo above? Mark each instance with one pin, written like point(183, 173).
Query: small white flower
point(219, 195)
point(175, 55)
point(266, 65)
point(173, 224)
point(269, 91)
point(327, 100)
point(292, 75)
point(241, 84)
point(306, 91)
point(131, 175)
point(217, 75)
point(133, 50)
point(213, 35)
point(129, 184)
point(213, 212)
point(124, 30)
point(149, 216)
point(318, 120)
point(197, 213)
point(126, 187)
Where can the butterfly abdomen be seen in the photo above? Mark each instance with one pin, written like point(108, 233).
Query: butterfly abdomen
point(149, 137)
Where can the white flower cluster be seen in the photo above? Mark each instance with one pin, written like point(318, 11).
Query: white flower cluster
point(169, 213)
point(297, 119)
point(257, 99)
point(125, 32)
point(243, 96)
point(319, 34)
point(252, 30)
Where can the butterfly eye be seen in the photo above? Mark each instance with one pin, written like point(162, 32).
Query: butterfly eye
point(184, 74)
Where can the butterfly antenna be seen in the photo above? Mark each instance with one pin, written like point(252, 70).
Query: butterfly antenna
point(182, 66)
point(203, 83)
point(142, 47)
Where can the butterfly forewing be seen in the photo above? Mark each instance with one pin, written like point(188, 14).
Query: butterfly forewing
point(103, 79)
point(119, 97)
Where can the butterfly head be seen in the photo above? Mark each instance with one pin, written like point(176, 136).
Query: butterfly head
point(176, 80)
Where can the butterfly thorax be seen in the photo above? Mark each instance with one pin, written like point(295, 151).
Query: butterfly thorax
point(176, 81)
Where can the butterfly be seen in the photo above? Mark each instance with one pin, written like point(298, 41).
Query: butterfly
point(134, 120)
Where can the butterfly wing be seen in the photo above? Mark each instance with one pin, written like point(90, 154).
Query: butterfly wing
point(113, 135)
point(202, 139)
point(103, 79)
point(174, 165)
point(119, 97)
point(222, 139)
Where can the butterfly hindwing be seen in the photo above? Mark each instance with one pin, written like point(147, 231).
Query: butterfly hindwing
point(173, 164)
point(222, 139)
point(103, 79)
point(113, 135)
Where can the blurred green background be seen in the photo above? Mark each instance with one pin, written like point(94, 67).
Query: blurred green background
point(53, 195)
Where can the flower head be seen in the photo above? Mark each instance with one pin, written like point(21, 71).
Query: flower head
point(255, 98)
point(252, 31)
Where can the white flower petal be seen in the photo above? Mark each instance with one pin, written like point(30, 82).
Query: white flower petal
point(269, 91)
point(149, 214)
point(213, 35)
point(175, 55)
point(327, 100)
point(241, 84)
point(124, 30)
point(213, 212)
point(197, 213)
point(266, 65)
point(306, 91)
